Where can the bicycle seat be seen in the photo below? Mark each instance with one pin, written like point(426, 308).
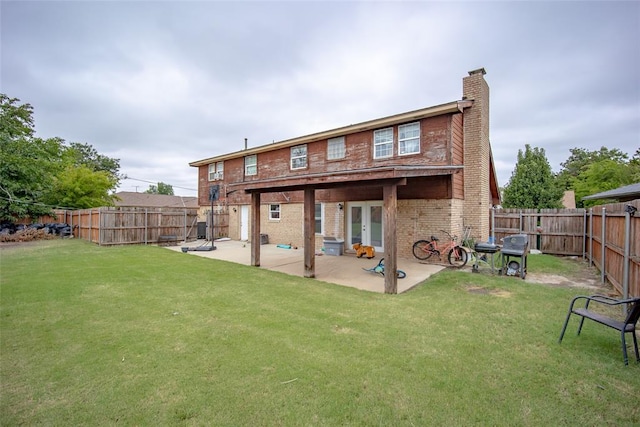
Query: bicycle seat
point(434, 238)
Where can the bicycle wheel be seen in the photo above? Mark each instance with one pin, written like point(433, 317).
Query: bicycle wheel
point(457, 256)
point(401, 274)
point(423, 249)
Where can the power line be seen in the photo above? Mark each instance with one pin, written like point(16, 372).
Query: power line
point(156, 182)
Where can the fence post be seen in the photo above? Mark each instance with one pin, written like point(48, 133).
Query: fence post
point(100, 228)
point(520, 221)
point(603, 244)
point(493, 225)
point(584, 235)
point(627, 251)
point(145, 225)
point(185, 224)
point(591, 236)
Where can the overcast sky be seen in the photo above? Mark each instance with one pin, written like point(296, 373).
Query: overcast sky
point(158, 84)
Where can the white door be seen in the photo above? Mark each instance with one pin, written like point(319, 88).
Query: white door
point(244, 222)
point(365, 224)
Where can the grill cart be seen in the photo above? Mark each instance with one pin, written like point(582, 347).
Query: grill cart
point(515, 249)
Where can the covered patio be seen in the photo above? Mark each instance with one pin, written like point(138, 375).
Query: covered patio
point(345, 270)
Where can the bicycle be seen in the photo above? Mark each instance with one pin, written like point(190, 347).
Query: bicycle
point(456, 254)
point(380, 270)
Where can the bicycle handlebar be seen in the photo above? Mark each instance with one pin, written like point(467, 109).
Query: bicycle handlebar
point(450, 236)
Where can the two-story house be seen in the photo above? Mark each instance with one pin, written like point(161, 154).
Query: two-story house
point(385, 182)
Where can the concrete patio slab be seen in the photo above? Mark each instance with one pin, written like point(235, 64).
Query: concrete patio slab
point(345, 270)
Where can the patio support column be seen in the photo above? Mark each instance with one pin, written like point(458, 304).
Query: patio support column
point(390, 196)
point(309, 232)
point(255, 229)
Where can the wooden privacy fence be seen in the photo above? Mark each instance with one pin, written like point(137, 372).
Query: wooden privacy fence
point(120, 226)
point(607, 236)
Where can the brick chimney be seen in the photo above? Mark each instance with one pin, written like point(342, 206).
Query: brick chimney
point(477, 154)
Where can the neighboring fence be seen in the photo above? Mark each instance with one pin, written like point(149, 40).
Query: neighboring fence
point(606, 235)
point(220, 222)
point(120, 226)
point(552, 231)
point(136, 225)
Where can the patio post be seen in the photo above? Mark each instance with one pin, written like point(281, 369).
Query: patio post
point(255, 229)
point(309, 233)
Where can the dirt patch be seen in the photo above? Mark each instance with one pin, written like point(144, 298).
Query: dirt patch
point(484, 291)
point(585, 277)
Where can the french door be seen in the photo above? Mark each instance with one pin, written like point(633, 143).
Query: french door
point(365, 224)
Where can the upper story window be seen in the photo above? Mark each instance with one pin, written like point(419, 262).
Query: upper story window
point(383, 143)
point(409, 139)
point(336, 148)
point(216, 171)
point(299, 157)
point(274, 212)
point(251, 165)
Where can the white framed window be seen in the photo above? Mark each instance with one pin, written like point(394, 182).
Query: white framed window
point(216, 171)
point(383, 143)
point(251, 165)
point(336, 148)
point(409, 138)
point(319, 217)
point(274, 212)
point(299, 157)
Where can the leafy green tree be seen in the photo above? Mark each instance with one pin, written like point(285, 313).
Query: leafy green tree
point(34, 172)
point(81, 188)
point(590, 172)
point(85, 155)
point(634, 163)
point(532, 184)
point(600, 176)
point(161, 188)
point(26, 163)
point(581, 158)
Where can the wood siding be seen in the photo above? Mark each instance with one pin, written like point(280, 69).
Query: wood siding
point(437, 136)
point(457, 146)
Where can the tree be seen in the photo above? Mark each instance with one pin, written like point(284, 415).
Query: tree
point(161, 188)
point(80, 187)
point(634, 163)
point(85, 155)
point(532, 184)
point(26, 162)
point(34, 172)
point(581, 158)
point(603, 175)
point(590, 172)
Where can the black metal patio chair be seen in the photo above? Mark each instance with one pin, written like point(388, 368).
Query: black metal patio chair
point(626, 326)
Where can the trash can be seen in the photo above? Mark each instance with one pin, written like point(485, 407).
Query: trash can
point(264, 239)
point(202, 230)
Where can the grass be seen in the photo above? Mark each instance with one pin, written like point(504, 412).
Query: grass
point(145, 336)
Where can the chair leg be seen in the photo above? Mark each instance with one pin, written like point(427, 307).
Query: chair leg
point(635, 345)
point(580, 326)
point(624, 349)
point(564, 328)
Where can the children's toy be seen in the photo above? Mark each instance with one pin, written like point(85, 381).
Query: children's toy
point(380, 270)
point(362, 250)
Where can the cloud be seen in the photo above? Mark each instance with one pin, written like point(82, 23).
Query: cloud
point(160, 84)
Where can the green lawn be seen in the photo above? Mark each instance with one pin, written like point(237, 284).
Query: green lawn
point(146, 336)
